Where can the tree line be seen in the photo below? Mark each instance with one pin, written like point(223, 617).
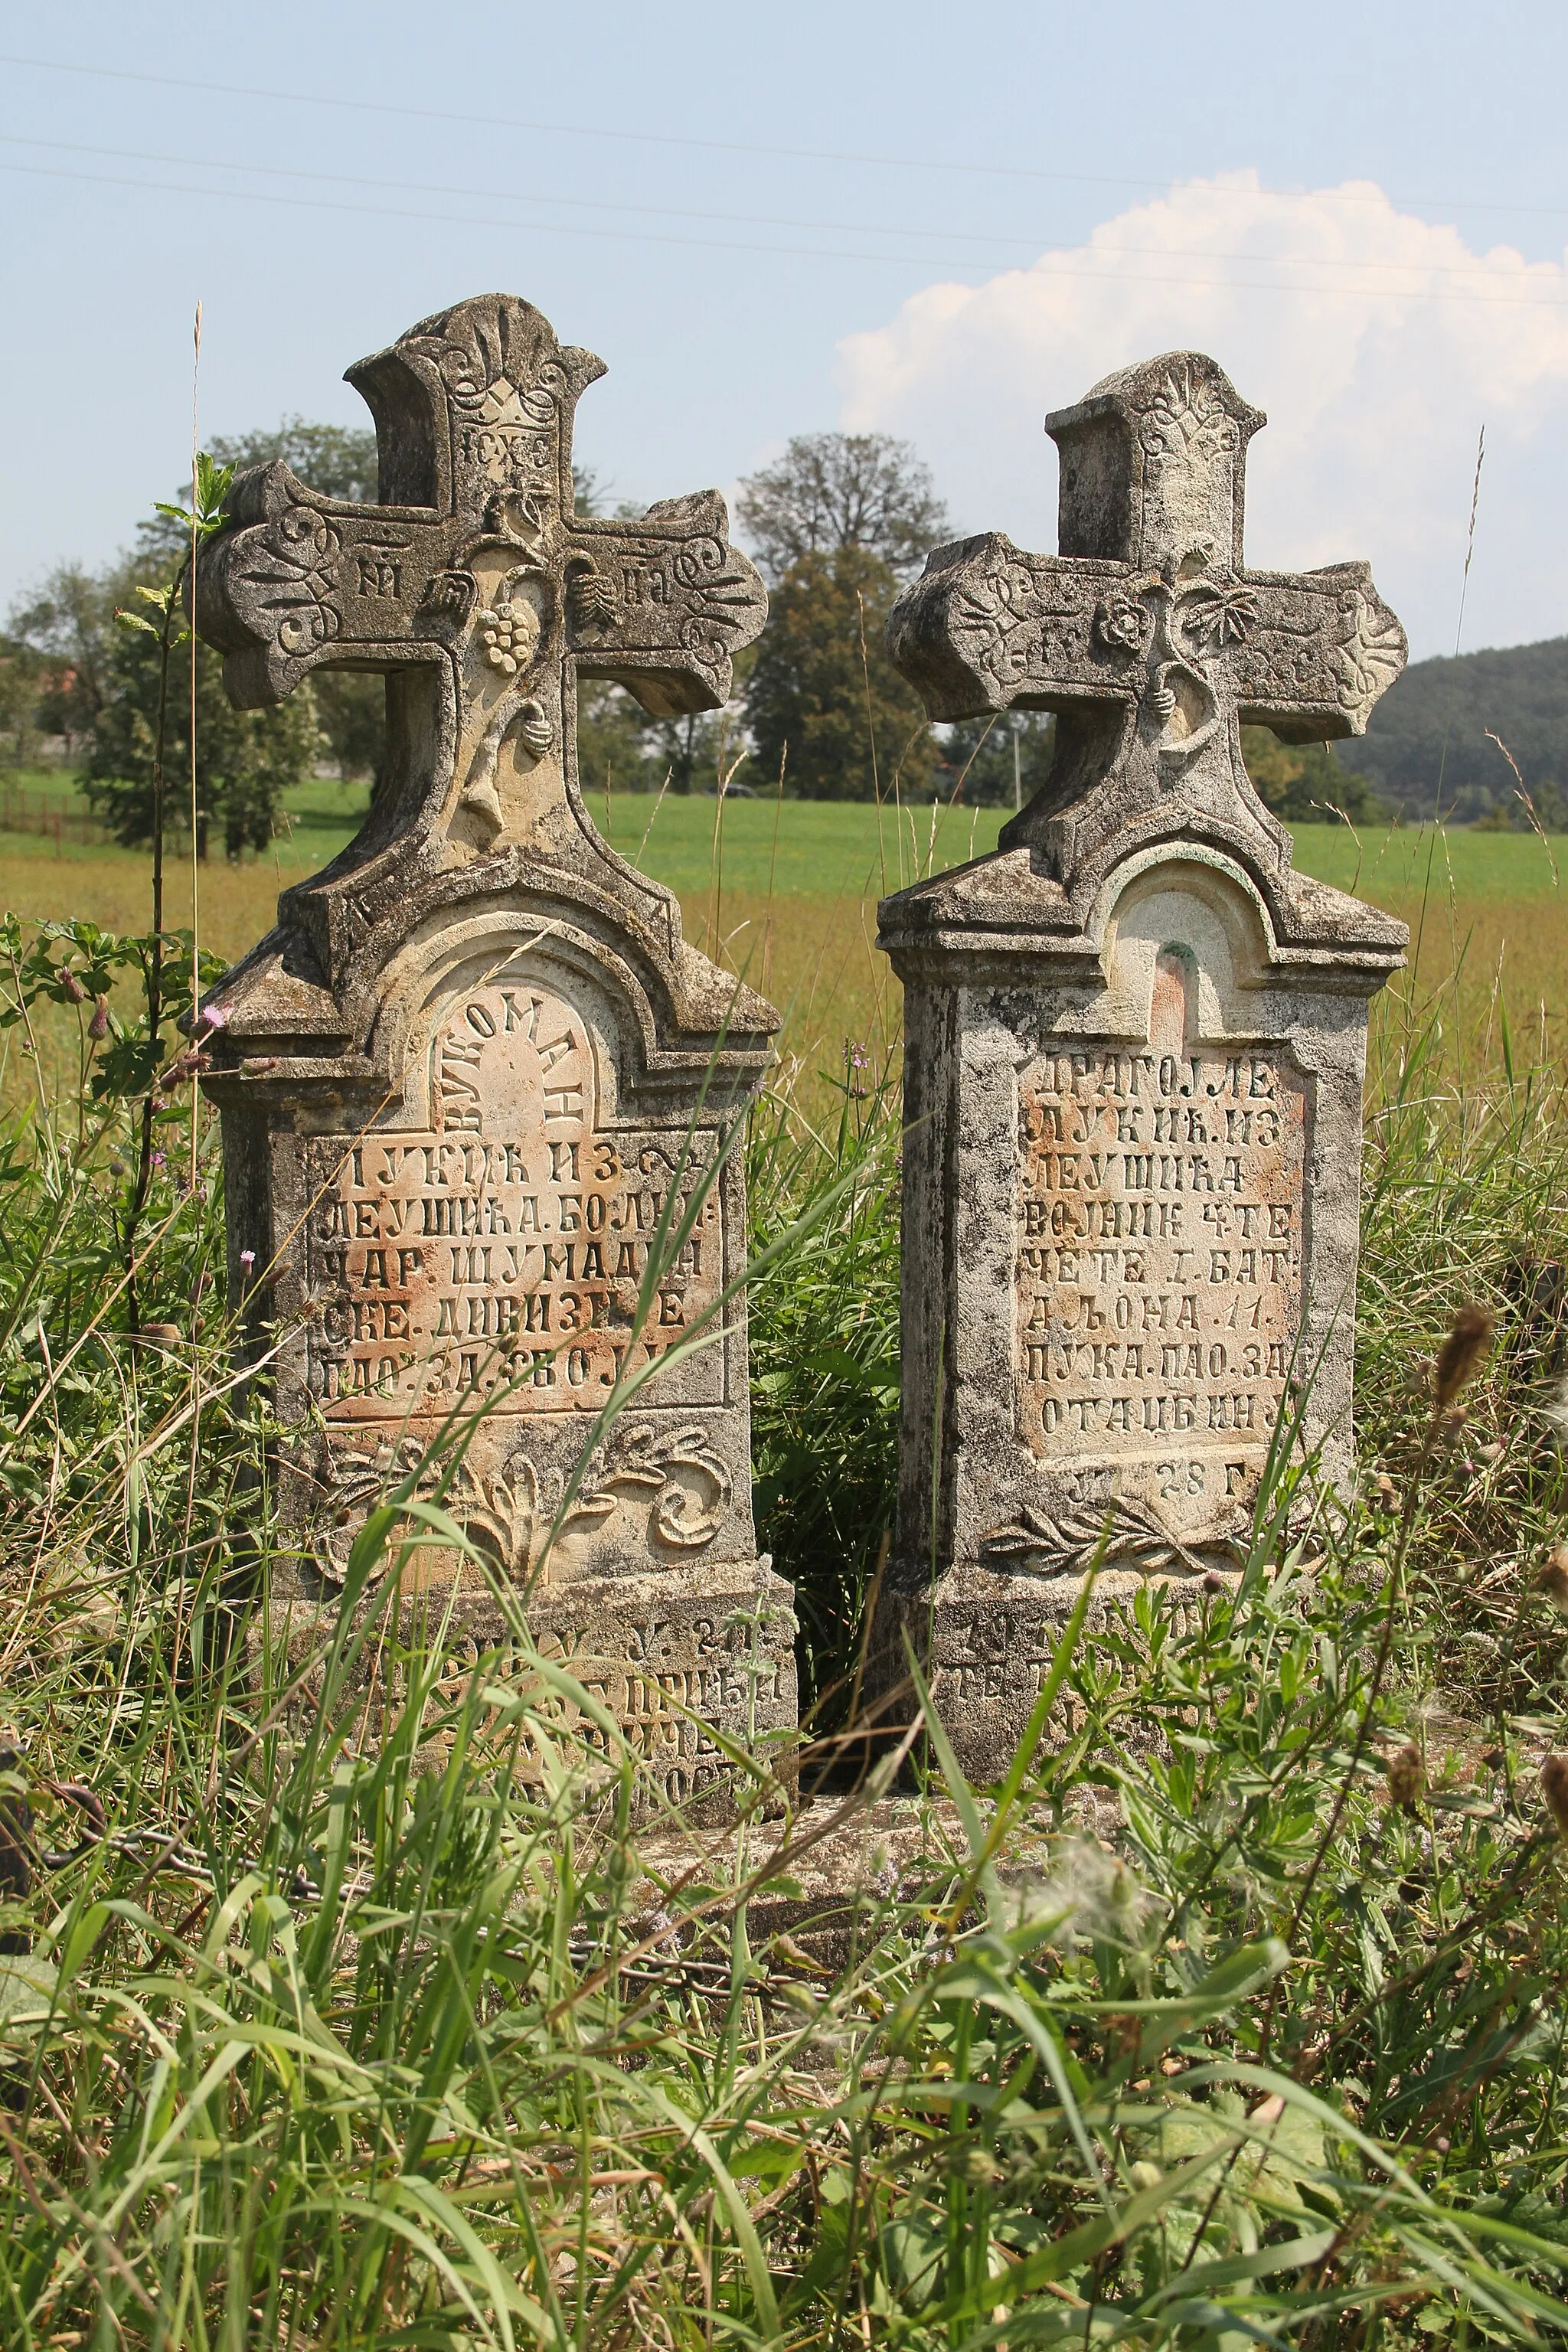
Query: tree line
point(1435, 743)
point(838, 526)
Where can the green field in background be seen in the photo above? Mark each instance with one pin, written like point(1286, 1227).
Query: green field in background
point(828, 848)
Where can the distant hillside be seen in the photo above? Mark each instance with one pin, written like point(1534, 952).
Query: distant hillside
point(1519, 692)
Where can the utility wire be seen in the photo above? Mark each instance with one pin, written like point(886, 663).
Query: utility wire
point(730, 146)
point(514, 197)
point(1041, 267)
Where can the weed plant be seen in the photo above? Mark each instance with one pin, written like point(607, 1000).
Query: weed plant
point(1237, 2013)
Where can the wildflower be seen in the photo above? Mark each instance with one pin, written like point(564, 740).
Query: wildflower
point(72, 986)
point(1554, 1788)
point(98, 1026)
point(211, 1017)
point(1407, 1777)
point(1553, 1578)
point(1462, 1353)
point(246, 1259)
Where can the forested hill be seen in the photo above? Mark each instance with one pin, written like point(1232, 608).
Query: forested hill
point(1519, 692)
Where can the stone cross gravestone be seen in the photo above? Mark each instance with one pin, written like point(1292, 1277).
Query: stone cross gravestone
point(479, 1098)
point(1134, 1052)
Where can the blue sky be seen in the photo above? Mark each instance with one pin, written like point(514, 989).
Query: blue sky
point(939, 221)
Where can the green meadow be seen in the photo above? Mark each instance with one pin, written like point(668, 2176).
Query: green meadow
point(785, 893)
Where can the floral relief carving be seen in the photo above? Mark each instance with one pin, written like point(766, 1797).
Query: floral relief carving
point(289, 580)
point(1120, 621)
point(1187, 418)
point(1218, 615)
point(1368, 658)
point(1069, 1544)
point(672, 1485)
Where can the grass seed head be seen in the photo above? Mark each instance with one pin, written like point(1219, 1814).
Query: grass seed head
point(1554, 1788)
point(1407, 1777)
point(1462, 1353)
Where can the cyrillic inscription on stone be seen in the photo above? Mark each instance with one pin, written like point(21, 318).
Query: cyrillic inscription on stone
point(503, 1252)
point(1159, 1251)
point(686, 1669)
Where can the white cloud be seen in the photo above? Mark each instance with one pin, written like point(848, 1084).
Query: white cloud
point(1378, 343)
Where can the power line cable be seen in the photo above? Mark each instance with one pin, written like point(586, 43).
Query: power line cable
point(748, 220)
point(1041, 267)
point(727, 146)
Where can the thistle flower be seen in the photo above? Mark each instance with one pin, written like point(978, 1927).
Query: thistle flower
point(1554, 1788)
point(1407, 1778)
point(1462, 1353)
point(98, 1027)
point(72, 986)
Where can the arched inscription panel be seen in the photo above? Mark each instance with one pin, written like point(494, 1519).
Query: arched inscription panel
point(502, 1253)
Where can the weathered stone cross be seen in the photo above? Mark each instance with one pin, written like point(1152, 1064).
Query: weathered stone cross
point(1147, 633)
point(1134, 1044)
point(482, 595)
point(480, 1099)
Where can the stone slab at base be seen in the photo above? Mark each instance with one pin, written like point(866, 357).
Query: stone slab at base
point(672, 1658)
point(985, 1643)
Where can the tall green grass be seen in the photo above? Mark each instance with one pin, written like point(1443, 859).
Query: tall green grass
point(1238, 2016)
point(360, 1992)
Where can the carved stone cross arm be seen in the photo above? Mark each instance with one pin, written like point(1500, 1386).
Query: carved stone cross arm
point(661, 604)
point(989, 627)
point(1148, 633)
point(474, 412)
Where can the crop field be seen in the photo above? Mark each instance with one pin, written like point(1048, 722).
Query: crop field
point(787, 895)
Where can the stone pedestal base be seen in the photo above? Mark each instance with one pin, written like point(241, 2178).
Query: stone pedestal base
point(985, 1644)
point(672, 1659)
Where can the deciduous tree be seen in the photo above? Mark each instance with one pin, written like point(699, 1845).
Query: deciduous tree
point(842, 490)
point(824, 687)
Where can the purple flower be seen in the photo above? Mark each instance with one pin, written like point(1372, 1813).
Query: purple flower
point(247, 1259)
point(212, 1016)
point(160, 1160)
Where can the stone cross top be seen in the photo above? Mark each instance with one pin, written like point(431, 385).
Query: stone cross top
point(1134, 1046)
point(483, 597)
point(1147, 635)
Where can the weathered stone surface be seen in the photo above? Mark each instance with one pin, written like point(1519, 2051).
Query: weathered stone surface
point(480, 1099)
point(1134, 1051)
